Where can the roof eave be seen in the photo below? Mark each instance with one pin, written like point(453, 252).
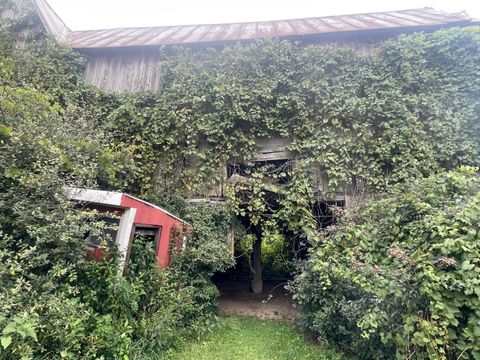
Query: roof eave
point(51, 21)
point(307, 38)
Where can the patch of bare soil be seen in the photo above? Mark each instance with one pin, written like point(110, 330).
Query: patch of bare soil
point(275, 302)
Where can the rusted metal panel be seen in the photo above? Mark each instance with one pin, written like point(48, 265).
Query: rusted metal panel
point(213, 33)
point(265, 30)
point(339, 25)
point(190, 34)
point(247, 31)
point(321, 25)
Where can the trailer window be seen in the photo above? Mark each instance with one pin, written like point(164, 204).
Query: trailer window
point(108, 233)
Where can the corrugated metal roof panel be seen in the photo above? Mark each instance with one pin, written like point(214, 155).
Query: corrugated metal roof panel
point(248, 31)
point(265, 30)
point(320, 25)
point(189, 34)
point(51, 20)
point(283, 28)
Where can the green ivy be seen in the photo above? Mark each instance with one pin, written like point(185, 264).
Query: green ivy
point(408, 109)
point(399, 277)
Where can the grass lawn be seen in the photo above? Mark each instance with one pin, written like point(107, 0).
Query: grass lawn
point(249, 338)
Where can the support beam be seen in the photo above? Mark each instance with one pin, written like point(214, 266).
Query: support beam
point(257, 281)
point(124, 235)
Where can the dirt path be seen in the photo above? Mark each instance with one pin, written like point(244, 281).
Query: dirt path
point(274, 303)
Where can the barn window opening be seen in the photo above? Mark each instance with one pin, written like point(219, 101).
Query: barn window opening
point(325, 212)
point(273, 171)
point(146, 233)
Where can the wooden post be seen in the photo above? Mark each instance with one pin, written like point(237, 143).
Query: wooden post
point(231, 239)
point(257, 281)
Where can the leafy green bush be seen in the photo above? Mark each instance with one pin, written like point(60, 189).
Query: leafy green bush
point(369, 121)
point(54, 301)
point(97, 313)
point(400, 276)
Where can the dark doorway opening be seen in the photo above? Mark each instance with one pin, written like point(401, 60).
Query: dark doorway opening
point(269, 261)
point(277, 267)
point(108, 233)
point(326, 211)
point(143, 248)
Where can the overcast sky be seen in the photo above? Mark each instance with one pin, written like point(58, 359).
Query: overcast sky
point(98, 14)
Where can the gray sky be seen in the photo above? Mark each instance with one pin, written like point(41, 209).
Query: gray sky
point(98, 14)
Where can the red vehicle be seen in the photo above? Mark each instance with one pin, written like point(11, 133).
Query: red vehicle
point(132, 217)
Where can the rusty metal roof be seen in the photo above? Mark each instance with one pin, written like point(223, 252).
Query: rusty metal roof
point(208, 33)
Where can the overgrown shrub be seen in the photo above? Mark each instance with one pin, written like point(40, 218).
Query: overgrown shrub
point(54, 301)
point(407, 110)
point(88, 310)
point(398, 278)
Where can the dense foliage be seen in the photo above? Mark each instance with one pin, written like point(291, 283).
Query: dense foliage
point(405, 110)
point(365, 122)
point(398, 278)
point(55, 302)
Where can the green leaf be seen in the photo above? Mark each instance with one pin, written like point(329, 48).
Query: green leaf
point(11, 328)
point(30, 332)
point(5, 341)
point(5, 131)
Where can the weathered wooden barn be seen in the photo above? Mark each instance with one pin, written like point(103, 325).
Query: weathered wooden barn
point(127, 59)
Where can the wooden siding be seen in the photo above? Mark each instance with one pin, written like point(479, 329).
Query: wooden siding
point(272, 149)
point(50, 20)
point(137, 69)
point(17, 10)
point(18, 6)
point(124, 71)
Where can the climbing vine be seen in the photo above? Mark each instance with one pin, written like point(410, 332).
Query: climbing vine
point(365, 122)
point(407, 109)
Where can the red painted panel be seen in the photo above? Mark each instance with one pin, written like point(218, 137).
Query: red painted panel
point(96, 253)
point(149, 215)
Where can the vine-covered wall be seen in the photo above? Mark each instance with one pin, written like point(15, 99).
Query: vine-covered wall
point(362, 122)
point(353, 122)
point(359, 122)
